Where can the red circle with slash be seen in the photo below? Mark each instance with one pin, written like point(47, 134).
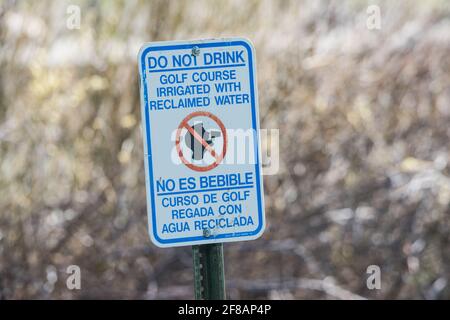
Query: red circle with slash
point(184, 125)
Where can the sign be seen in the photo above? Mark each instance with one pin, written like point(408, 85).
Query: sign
point(193, 137)
point(200, 124)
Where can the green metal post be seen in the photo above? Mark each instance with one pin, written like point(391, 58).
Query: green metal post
point(209, 274)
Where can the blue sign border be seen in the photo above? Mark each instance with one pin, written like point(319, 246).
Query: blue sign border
point(255, 136)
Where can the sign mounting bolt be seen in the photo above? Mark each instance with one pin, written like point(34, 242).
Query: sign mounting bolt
point(195, 51)
point(206, 233)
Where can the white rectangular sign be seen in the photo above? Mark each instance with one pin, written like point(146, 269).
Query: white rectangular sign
point(200, 121)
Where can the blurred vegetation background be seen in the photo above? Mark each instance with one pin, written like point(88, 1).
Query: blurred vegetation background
point(367, 183)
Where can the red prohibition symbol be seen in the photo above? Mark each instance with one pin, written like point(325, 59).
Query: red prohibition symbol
point(185, 125)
